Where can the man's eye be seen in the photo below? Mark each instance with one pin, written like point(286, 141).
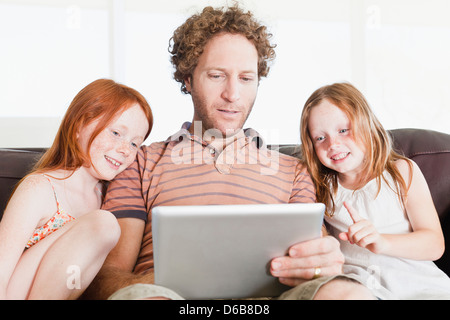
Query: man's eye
point(215, 76)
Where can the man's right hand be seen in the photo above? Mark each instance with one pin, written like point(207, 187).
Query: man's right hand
point(305, 258)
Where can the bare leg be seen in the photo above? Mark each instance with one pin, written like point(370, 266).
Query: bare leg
point(62, 265)
point(342, 289)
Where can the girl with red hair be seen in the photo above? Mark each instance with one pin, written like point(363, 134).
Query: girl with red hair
point(53, 236)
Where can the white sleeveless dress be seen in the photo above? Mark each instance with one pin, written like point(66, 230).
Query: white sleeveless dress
point(388, 277)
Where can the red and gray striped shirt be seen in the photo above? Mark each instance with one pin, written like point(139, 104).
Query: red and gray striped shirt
point(185, 170)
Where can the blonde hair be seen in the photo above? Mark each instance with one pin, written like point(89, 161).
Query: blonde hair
point(366, 130)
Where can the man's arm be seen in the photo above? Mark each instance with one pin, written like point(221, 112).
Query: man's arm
point(117, 271)
point(303, 258)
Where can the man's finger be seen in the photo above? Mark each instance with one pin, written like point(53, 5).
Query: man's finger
point(314, 247)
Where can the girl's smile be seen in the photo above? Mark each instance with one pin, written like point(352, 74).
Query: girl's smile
point(340, 156)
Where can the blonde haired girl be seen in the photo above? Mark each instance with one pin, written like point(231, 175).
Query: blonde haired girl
point(378, 202)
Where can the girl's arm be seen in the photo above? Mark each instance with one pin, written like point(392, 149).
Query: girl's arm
point(27, 207)
point(426, 242)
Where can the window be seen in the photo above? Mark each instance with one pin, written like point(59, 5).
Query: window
point(395, 52)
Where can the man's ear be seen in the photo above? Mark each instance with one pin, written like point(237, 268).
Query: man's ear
point(188, 84)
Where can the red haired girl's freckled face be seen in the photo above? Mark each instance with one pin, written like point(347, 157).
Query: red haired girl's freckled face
point(115, 147)
point(97, 106)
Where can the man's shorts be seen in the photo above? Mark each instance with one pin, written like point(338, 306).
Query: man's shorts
point(305, 291)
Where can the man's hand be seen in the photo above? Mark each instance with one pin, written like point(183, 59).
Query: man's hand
point(304, 258)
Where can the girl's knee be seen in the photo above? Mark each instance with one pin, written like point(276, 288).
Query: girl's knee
point(104, 227)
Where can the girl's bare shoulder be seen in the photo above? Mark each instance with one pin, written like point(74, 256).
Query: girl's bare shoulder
point(35, 189)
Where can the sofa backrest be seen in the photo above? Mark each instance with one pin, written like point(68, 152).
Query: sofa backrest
point(14, 165)
point(431, 151)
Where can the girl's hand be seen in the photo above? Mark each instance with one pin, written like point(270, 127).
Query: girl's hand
point(363, 233)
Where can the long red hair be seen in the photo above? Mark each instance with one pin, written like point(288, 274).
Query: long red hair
point(101, 100)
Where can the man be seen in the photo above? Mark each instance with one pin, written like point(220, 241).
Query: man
point(219, 57)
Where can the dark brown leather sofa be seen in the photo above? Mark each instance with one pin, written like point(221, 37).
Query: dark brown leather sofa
point(429, 149)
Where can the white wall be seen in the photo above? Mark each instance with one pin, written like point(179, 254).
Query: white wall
point(396, 52)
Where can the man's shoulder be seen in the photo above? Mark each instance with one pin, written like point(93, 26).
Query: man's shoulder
point(155, 145)
point(288, 154)
point(153, 149)
point(154, 154)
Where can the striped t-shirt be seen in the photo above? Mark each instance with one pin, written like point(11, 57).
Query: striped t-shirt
point(185, 170)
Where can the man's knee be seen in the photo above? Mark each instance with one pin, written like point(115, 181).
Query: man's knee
point(343, 289)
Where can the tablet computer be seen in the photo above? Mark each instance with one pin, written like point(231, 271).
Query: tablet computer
point(224, 251)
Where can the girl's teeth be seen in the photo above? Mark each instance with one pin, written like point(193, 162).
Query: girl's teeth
point(340, 156)
point(114, 162)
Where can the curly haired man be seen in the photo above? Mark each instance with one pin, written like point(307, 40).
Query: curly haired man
point(219, 56)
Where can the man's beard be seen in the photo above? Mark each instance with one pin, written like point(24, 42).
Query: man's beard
point(209, 123)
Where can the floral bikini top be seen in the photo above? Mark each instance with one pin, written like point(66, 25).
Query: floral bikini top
point(57, 221)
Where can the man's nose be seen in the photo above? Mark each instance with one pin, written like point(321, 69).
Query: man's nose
point(231, 91)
